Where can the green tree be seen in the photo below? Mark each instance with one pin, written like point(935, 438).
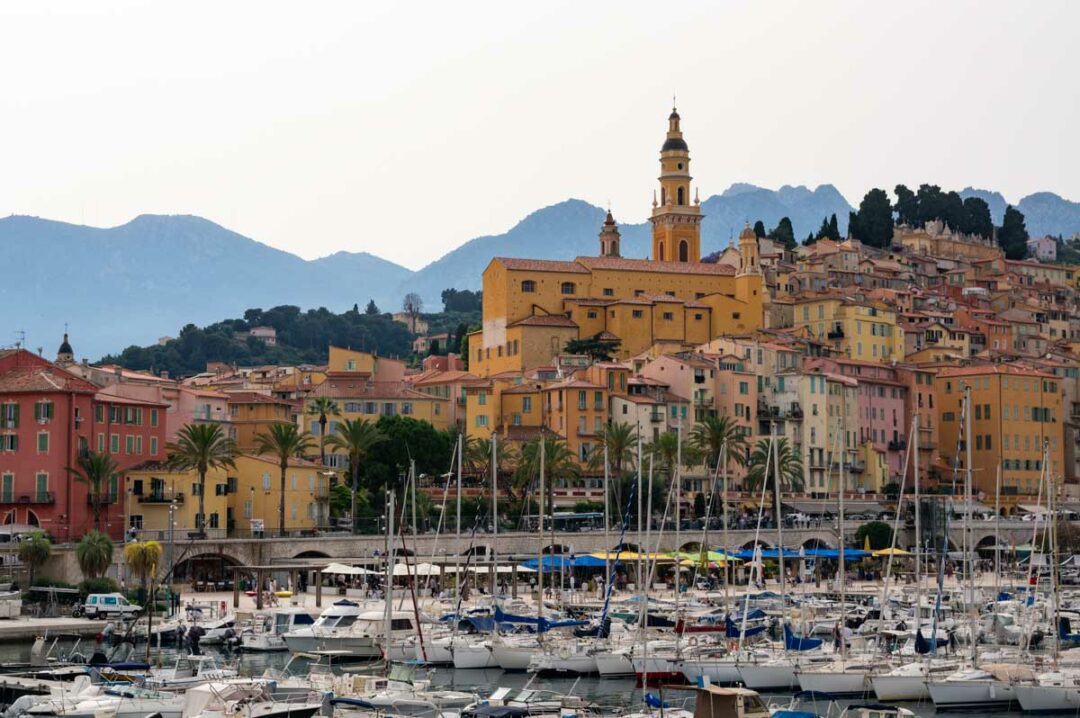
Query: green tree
point(829, 229)
point(699, 505)
point(94, 553)
point(785, 462)
point(719, 439)
point(284, 442)
point(1013, 235)
point(355, 438)
point(407, 439)
point(977, 219)
point(873, 224)
point(595, 347)
point(930, 203)
point(200, 448)
point(34, 550)
point(371, 309)
point(784, 233)
point(907, 206)
point(665, 451)
point(619, 441)
point(834, 228)
point(144, 558)
point(880, 534)
point(98, 471)
point(559, 463)
point(464, 300)
point(759, 229)
point(322, 407)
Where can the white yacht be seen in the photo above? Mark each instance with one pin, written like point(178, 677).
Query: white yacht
point(268, 632)
point(188, 671)
point(907, 682)
point(1054, 692)
point(989, 687)
point(116, 702)
point(362, 635)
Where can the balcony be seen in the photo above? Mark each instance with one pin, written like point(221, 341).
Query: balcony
point(897, 444)
point(39, 497)
point(837, 333)
point(162, 497)
point(102, 499)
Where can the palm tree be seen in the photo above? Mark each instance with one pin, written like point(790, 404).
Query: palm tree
point(97, 471)
point(620, 441)
point(94, 553)
point(143, 557)
point(665, 451)
point(719, 438)
point(355, 437)
point(477, 455)
point(559, 463)
point(34, 551)
point(202, 447)
point(283, 441)
point(784, 461)
point(323, 406)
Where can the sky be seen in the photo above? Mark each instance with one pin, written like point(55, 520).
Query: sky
point(406, 129)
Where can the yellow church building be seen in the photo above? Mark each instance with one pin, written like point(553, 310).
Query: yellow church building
point(532, 308)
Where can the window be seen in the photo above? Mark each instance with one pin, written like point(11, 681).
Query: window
point(697, 317)
point(406, 408)
point(247, 509)
point(609, 292)
point(43, 442)
point(114, 443)
point(567, 288)
point(41, 483)
point(668, 316)
point(481, 398)
point(153, 417)
point(637, 314)
point(129, 444)
point(99, 413)
point(526, 404)
point(266, 481)
point(598, 400)
point(528, 285)
point(43, 411)
point(138, 444)
point(214, 520)
point(100, 442)
point(481, 420)
point(591, 314)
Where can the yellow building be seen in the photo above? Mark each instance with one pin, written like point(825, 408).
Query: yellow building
point(235, 497)
point(251, 413)
point(358, 397)
point(856, 328)
point(532, 308)
point(1014, 410)
point(356, 362)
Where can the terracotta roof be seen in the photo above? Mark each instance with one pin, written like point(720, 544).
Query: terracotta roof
point(105, 397)
point(645, 265)
point(43, 380)
point(541, 265)
point(252, 397)
point(521, 389)
point(360, 388)
point(445, 377)
point(523, 433)
point(574, 384)
point(547, 320)
point(983, 369)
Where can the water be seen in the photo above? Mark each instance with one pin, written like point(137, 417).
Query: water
point(611, 693)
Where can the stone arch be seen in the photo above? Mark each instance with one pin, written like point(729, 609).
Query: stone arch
point(691, 546)
point(477, 550)
point(749, 545)
point(684, 251)
point(312, 554)
point(555, 548)
point(681, 196)
point(209, 566)
point(32, 518)
point(627, 547)
point(401, 552)
point(816, 542)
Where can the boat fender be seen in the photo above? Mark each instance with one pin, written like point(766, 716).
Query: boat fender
point(692, 641)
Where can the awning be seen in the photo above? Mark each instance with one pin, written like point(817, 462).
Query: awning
point(501, 569)
point(1033, 509)
point(713, 556)
point(343, 570)
point(892, 552)
point(422, 569)
point(631, 556)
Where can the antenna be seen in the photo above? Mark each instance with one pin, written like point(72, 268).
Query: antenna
point(21, 334)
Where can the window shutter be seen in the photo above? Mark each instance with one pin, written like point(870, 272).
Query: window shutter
point(14, 424)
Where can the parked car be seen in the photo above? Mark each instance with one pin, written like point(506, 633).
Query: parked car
point(109, 605)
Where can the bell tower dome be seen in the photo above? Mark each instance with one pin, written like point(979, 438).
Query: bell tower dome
point(609, 238)
point(676, 220)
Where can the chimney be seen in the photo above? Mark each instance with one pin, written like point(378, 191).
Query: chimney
point(119, 372)
point(164, 374)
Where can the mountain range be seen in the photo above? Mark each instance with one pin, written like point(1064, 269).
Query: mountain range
point(133, 283)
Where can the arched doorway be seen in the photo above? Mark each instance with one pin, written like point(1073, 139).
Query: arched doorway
point(661, 252)
point(684, 251)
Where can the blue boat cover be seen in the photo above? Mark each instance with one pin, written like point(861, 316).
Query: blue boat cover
point(798, 643)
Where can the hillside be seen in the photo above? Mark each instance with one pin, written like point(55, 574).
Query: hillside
point(130, 284)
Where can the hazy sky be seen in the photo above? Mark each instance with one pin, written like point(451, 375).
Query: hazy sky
point(406, 128)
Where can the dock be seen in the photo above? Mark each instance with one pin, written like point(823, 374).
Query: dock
point(25, 628)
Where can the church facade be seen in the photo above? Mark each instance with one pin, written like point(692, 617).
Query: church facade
point(670, 302)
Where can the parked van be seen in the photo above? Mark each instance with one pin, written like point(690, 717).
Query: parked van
point(109, 605)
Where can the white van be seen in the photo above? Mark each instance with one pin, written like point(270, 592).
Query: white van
point(110, 605)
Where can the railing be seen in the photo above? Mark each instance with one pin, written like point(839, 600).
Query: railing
point(162, 497)
point(656, 418)
point(835, 334)
point(897, 444)
point(102, 499)
point(38, 497)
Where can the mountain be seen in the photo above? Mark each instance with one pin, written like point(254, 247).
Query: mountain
point(994, 200)
point(131, 284)
point(569, 229)
point(1047, 213)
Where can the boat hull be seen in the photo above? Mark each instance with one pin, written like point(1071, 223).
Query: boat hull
point(900, 688)
point(768, 676)
point(1048, 699)
point(718, 672)
point(972, 695)
point(611, 665)
point(849, 683)
point(473, 656)
point(515, 659)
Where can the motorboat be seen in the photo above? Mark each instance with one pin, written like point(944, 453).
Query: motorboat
point(268, 632)
point(400, 692)
point(114, 701)
point(362, 635)
point(244, 699)
point(339, 616)
point(567, 657)
point(522, 703)
point(1053, 692)
point(186, 672)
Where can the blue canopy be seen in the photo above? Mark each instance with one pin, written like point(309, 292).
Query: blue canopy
point(797, 643)
point(850, 554)
point(557, 563)
point(542, 624)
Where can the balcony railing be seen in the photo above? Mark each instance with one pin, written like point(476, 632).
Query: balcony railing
point(102, 499)
point(39, 497)
point(836, 334)
point(897, 444)
point(656, 418)
point(162, 497)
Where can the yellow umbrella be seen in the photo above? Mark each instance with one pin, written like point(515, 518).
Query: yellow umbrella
point(866, 543)
point(892, 552)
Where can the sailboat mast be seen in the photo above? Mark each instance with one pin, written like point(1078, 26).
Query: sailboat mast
point(724, 519)
point(460, 449)
point(775, 451)
point(540, 543)
point(494, 511)
point(970, 598)
point(842, 443)
point(607, 519)
point(640, 506)
point(389, 608)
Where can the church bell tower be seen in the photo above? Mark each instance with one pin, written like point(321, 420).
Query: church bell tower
point(609, 237)
point(676, 220)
